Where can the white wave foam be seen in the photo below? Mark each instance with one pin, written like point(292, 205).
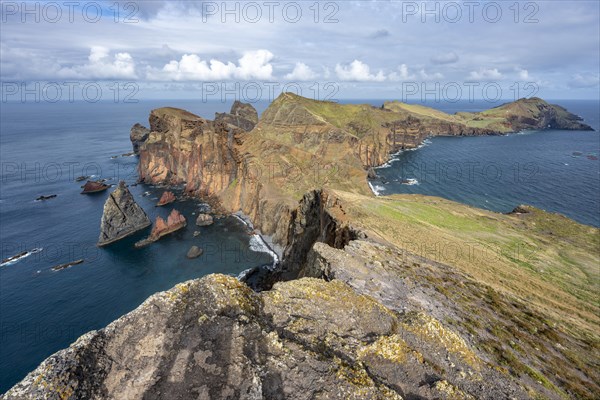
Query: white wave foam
point(14, 259)
point(258, 244)
point(242, 275)
point(410, 182)
point(244, 221)
point(376, 189)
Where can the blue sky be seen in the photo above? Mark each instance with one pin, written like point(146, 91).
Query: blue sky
point(345, 49)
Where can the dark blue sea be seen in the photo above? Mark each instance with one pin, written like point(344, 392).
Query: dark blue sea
point(44, 147)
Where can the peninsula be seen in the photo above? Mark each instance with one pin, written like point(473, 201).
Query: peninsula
point(398, 297)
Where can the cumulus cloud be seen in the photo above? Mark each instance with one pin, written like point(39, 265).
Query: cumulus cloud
point(252, 65)
point(523, 74)
point(445, 58)
point(430, 76)
point(401, 75)
point(358, 71)
point(485, 74)
point(101, 65)
point(581, 81)
point(301, 72)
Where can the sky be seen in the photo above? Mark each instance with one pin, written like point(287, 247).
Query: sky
point(404, 50)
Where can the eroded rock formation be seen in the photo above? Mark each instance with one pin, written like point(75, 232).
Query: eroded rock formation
point(175, 221)
point(204, 220)
point(139, 134)
point(167, 198)
point(121, 217)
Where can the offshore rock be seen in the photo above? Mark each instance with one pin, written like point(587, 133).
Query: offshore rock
point(121, 217)
point(139, 134)
point(204, 220)
point(194, 252)
point(166, 198)
point(175, 221)
point(94, 187)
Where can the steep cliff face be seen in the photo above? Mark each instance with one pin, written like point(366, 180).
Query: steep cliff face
point(300, 144)
point(185, 148)
point(139, 134)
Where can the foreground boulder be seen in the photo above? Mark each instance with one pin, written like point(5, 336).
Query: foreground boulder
point(214, 338)
point(121, 217)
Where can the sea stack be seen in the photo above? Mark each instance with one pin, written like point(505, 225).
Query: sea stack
point(166, 198)
point(138, 135)
point(122, 216)
point(174, 222)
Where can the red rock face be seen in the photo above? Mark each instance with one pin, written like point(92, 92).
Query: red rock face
point(93, 187)
point(174, 222)
point(166, 198)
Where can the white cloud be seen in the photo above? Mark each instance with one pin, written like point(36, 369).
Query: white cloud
point(485, 74)
point(401, 75)
point(252, 65)
point(430, 77)
point(523, 74)
point(301, 72)
point(358, 71)
point(580, 81)
point(445, 58)
point(101, 66)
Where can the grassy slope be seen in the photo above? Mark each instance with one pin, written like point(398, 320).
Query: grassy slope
point(540, 313)
point(535, 274)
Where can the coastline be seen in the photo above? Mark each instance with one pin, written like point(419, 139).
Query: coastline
point(265, 243)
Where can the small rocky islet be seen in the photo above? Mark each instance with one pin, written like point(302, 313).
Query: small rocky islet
point(94, 187)
point(351, 311)
point(174, 222)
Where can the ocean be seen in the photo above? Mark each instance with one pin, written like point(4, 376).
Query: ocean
point(45, 146)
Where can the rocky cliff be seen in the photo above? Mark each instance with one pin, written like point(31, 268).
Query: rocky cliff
point(363, 318)
point(263, 167)
point(121, 216)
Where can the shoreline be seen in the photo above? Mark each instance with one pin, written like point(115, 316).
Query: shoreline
point(264, 241)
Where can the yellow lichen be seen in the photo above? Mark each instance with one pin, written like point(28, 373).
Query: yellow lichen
point(428, 328)
point(450, 391)
point(392, 348)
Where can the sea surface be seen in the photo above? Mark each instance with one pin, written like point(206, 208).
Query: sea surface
point(45, 146)
point(558, 171)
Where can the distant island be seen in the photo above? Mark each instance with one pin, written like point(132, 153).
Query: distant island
point(395, 297)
